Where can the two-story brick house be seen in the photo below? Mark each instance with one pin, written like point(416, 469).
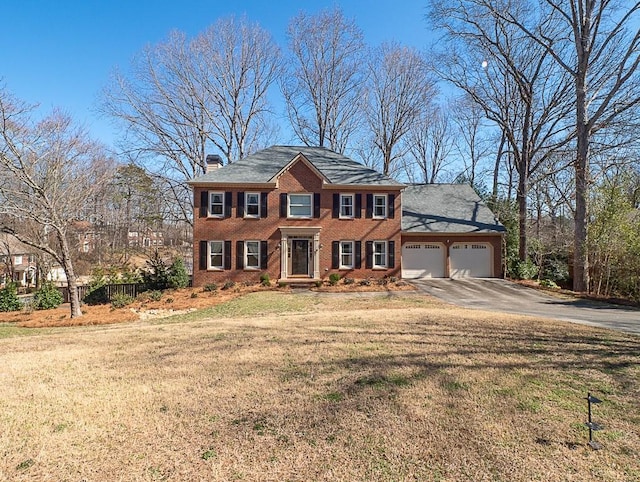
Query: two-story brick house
point(296, 213)
point(301, 213)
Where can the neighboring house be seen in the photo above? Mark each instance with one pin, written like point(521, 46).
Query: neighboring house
point(301, 213)
point(145, 239)
point(17, 262)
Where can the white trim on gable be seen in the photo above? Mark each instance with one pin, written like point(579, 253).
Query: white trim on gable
point(300, 158)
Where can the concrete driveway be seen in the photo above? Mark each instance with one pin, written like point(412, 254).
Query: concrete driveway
point(504, 296)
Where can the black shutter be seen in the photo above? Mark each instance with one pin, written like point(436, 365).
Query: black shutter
point(335, 255)
point(283, 205)
point(204, 204)
point(336, 206)
point(358, 254)
point(316, 204)
point(240, 208)
point(227, 255)
point(203, 255)
point(369, 255)
point(391, 198)
point(358, 207)
point(392, 254)
point(264, 254)
point(369, 212)
point(227, 204)
point(239, 254)
point(263, 204)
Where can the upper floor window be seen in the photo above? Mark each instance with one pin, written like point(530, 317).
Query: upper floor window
point(17, 260)
point(346, 205)
point(216, 204)
point(252, 205)
point(380, 254)
point(216, 255)
point(379, 205)
point(300, 206)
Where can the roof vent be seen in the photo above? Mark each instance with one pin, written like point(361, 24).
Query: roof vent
point(214, 161)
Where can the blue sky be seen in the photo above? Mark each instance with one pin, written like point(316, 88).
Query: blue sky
point(60, 53)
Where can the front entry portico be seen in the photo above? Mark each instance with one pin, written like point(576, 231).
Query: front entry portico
point(299, 257)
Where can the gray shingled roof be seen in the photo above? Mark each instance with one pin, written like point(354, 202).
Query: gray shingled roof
point(446, 208)
point(262, 166)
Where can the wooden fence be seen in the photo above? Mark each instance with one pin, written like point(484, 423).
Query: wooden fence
point(131, 289)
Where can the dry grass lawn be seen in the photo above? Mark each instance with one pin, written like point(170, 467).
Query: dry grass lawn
point(277, 386)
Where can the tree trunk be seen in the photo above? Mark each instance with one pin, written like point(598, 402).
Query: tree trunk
point(580, 253)
point(522, 217)
point(72, 285)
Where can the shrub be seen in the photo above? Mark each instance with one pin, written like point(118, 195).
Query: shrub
point(265, 280)
point(383, 281)
point(156, 275)
point(228, 285)
point(120, 300)
point(334, 278)
point(525, 269)
point(282, 284)
point(210, 287)
point(47, 297)
point(178, 276)
point(194, 295)
point(9, 300)
point(318, 283)
point(97, 293)
point(155, 295)
point(365, 282)
point(548, 283)
point(348, 281)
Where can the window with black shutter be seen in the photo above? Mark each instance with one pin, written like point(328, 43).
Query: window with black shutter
point(316, 204)
point(240, 205)
point(204, 204)
point(227, 255)
point(335, 254)
point(283, 205)
point(263, 204)
point(392, 254)
point(369, 209)
point(239, 254)
point(391, 208)
point(335, 212)
point(358, 254)
point(358, 208)
point(369, 255)
point(227, 204)
point(264, 254)
point(203, 255)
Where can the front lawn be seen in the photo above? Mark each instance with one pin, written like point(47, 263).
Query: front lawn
point(275, 386)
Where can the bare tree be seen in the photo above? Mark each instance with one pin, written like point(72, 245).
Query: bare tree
point(323, 86)
point(184, 97)
point(431, 140)
point(597, 43)
point(49, 170)
point(513, 80)
point(472, 143)
point(400, 90)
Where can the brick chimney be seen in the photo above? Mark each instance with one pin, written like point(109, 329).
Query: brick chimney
point(214, 161)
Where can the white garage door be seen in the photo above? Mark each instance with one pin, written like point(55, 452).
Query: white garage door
point(423, 260)
point(471, 260)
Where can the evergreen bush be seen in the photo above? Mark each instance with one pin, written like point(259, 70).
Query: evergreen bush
point(47, 297)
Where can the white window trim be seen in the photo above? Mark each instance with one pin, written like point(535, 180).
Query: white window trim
point(246, 205)
point(386, 206)
point(246, 255)
point(353, 255)
point(310, 196)
point(209, 265)
point(211, 194)
point(353, 206)
point(386, 255)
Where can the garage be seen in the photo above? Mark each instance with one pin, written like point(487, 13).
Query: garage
point(423, 260)
point(471, 260)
